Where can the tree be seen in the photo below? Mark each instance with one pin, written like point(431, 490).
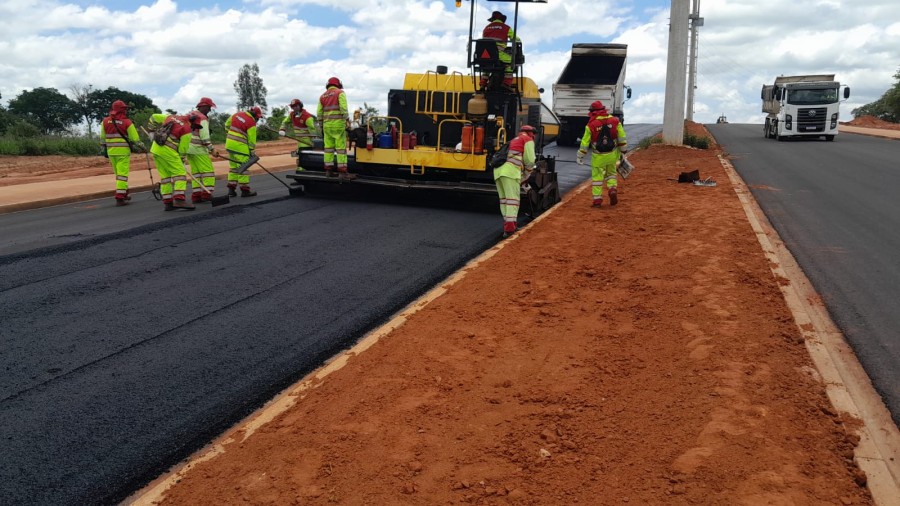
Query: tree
point(272, 122)
point(81, 94)
point(99, 102)
point(378, 124)
point(249, 88)
point(887, 107)
point(47, 108)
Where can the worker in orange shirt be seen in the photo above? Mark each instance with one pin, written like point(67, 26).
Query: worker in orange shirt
point(240, 143)
point(606, 138)
point(168, 156)
point(332, 116)
point(119, 138)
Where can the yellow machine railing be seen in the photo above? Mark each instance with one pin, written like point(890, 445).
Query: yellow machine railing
point(451, 85)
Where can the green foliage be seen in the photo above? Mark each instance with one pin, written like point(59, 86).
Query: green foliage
point(217, 126)
point(99, 102)
point(887, 107)
point(48, 145)
point(141, 118)
point(249, 88)
point(697, 141)
point(379, 125)
point(646, 142)
point(47, 108)
point(272, 122)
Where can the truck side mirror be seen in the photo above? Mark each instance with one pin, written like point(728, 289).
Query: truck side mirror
point(628, 93)
point(847, 92)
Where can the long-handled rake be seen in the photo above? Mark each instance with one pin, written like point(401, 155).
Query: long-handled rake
point(155, 191)
point(254, 159)
point(216, 201)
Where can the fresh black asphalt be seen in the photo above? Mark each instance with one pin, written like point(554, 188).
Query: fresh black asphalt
point(131, 337)
point(835, 206)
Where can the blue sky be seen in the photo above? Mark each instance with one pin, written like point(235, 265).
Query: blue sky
point(177, 51)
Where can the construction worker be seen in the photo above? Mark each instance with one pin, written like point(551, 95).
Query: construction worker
point(169, 154)
point(498, 30)
point(198, 154)
point(304, 126)
point(510, 176)
point(240, 143)
point(332, 116)
point(605, 135)
point(119, 137)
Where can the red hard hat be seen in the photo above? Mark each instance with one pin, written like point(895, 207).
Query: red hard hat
point(256, 112)
point(527, 128)
point(334, 81)
point(296, 101)
point(206, 101)
point(597, 105)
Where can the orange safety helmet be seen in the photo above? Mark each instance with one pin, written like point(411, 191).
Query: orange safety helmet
point(256, 112)
point(334, 81)
point(207, 102)
point(296, 102)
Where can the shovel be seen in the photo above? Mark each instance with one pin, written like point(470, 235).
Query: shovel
point(254, 159)
point(216, 201)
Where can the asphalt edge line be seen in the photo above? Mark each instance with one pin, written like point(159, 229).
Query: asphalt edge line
point(155, 491)
point(847, 385)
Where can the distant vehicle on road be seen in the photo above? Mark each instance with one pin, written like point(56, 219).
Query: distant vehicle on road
point(722, 119)
point(802, 106)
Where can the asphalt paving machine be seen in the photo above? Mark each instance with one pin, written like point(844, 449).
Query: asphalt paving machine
point(442, 129)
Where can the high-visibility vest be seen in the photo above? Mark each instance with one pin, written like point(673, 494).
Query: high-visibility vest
point(239, 125)
point(300, 124)
point(517, 149)
point(330, 105)
point(115, 132)
point(596, 123)
point(200, 141)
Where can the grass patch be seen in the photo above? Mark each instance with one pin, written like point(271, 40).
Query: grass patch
point(49, 145)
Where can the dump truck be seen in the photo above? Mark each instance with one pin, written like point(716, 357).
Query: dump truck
point(802, 106)
point(593, 72)
point(442, 128)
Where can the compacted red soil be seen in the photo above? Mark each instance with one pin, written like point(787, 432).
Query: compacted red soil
point(636, 354)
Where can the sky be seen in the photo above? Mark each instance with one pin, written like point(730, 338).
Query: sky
point(178, 51)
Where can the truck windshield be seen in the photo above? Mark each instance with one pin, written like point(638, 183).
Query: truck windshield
point(813, 97)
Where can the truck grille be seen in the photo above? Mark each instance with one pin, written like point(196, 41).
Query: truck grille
point(811, 119)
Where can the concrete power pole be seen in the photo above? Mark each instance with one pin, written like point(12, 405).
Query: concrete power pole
point(696, 23)
point(676, 68)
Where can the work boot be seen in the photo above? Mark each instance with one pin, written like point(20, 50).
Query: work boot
point(330, 173)
point(613, 196)
point(196, 198)
point(127, 196)
point(121, 202)
point(597, 202)
point(168, 206)
point(183, 204)
point(206, 197)
point(232, 191)
point(247, 192)
point(346, 176)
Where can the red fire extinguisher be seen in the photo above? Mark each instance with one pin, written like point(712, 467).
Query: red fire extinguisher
point(369, 138)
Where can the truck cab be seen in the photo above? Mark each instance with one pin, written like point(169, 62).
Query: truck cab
point(802, 106)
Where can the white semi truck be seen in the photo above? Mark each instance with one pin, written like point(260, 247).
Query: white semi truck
point(802, 106)
point(594, 72)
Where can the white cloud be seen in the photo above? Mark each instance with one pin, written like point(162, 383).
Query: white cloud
point(175, 52)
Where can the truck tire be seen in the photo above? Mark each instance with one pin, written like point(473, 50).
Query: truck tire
point(829, 138)
point(766, 129)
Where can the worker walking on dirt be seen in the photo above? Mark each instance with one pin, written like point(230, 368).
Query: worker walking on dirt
point(606, 137)
point(198, 154)
point(240, 143)
point(332, 116)
point(171, 141)
point(509, 176)
point(119, 137)
point(304, 126)
point(498, 30)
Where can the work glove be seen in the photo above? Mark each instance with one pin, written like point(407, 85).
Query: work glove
point(623, 149)
point(141, 148)
point(281, 133)
point(579, 158)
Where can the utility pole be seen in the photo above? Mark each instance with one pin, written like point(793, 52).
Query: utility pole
point(696, 23)
point(676, 68)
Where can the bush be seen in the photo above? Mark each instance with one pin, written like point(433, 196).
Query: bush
point(42, 146)
point(696, 141)
point(647, 141)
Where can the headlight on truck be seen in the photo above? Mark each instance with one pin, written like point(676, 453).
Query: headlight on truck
point(788, 120)
point(834, 118)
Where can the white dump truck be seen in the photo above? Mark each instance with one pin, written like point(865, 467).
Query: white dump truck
point(802, 106)
point(594, 72)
